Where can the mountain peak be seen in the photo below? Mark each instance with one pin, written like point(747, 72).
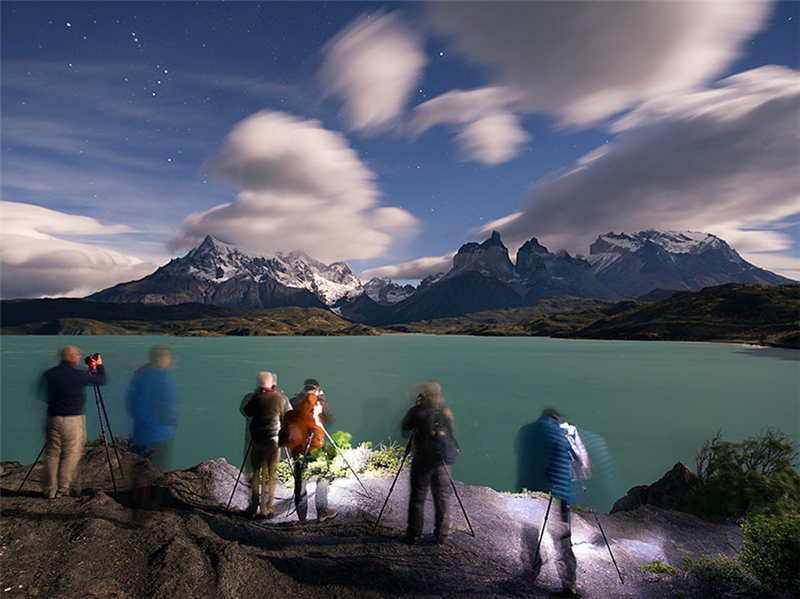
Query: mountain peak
point(634, 264)
point(489, 258)
point(673, 242)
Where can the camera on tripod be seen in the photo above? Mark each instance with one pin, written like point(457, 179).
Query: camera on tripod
point(91, 361)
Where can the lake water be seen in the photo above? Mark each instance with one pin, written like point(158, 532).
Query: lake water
point(652, 403)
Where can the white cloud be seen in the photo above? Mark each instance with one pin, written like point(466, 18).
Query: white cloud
point(413, 270)
point(303, 188)
point(38, 262)
point(373, 66)
point(722, 160)
point(586, 61)
point(488, 130)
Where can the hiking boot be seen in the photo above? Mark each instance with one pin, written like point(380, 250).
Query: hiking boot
point(411, 539)
point(329, 515)
point(569, 593)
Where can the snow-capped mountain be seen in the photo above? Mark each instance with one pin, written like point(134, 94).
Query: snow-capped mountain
point(483, 277)
point(219, 273)
point(386, 292)
point(634, 264)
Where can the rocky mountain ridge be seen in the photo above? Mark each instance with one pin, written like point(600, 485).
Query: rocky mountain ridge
point(483, 277)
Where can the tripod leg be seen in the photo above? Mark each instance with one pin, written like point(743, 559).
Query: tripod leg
point(347, 463)
point(246, 453)
point(99, 400)
point(394, 482)
point(452, 482)
point(541, 533)
point(110, 432)
point(585, 490)
point(38, 457)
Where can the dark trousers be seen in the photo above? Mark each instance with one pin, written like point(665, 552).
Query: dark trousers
point(301, 494)
point(435, 478)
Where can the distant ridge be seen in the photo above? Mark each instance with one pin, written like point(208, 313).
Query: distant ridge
point(482, 277)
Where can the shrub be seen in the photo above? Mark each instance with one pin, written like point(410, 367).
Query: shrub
point(721, 577)
point(386, 457)
point(771, 551)
point(751, 477)
point(657, 566)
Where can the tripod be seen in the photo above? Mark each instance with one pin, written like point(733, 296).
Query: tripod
point(341, 453)
point(104, 421)
point(449, 476)
point(544, 524)
point(238, 476)
point(101, 413)
point(394, 482)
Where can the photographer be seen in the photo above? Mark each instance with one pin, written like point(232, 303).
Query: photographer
point(433, 447)
point(64, 389)
point(545, 461)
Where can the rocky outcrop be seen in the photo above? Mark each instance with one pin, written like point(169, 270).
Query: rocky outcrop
point(667, 493)
point(174, 535)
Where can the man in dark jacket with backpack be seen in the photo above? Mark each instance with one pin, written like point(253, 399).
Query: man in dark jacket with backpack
point(433, 448)
point(266, 407)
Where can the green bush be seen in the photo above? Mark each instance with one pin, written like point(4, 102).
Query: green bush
point(386, 457)
point(748, 478)
point(657, 566)
point(721, 577)
point(771, 551)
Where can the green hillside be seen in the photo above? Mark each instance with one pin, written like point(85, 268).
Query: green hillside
point(732, 313)
point(85, 317)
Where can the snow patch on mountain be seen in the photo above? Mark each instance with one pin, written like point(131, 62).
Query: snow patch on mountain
point(218, 262)
point(386, 292)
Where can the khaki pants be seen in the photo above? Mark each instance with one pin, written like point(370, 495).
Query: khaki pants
point(265, 458)
point(66, 437)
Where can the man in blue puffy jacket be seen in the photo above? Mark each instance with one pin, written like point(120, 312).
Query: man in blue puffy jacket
point(153, 404)
point(545, 463)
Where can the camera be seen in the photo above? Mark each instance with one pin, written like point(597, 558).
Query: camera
point(91, 361)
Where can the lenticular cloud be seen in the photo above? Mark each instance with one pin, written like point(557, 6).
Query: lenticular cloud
point(302, 187)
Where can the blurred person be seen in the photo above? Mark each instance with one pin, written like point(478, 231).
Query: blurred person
point(266, 408)
point(64, 389)
point(153, 404)
point(547, 462)
point(303, 433)
point(433, 446)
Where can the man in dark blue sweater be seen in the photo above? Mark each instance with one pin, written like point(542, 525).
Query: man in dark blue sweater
point(64, 389)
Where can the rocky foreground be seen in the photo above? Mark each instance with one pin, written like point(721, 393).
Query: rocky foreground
point(188, 544)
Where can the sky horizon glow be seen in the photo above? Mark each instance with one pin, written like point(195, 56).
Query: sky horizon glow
point(388, 134)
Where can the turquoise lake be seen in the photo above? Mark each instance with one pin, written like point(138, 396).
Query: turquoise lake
point(650, 404)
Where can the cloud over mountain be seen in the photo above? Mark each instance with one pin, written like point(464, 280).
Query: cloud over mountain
point(302, 187)
point(722, 160)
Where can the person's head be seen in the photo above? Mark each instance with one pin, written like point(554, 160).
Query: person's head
point(430, 394)
point(310, 384)
point(70, 354)
point(266, 380)
point(160, 356)
point(551, 413)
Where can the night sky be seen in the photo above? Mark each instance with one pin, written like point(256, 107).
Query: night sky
point(388, 134)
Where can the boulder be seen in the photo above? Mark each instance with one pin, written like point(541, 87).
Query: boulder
point(667, 493)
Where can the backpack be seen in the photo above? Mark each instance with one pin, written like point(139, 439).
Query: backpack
point(583, 465)
point(437, 441)
point(302, 430)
